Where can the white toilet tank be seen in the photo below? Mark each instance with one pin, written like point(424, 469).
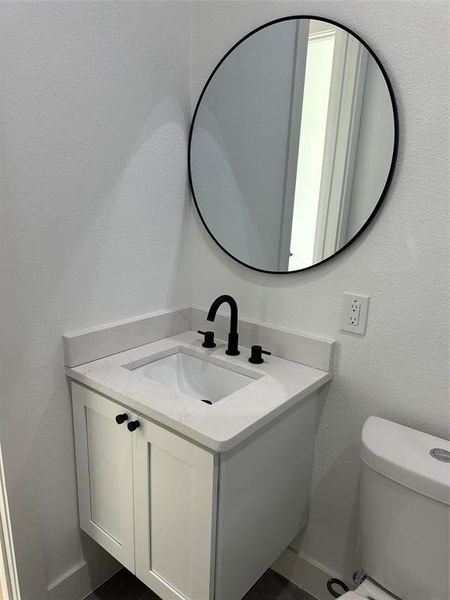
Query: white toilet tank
point(405, 511)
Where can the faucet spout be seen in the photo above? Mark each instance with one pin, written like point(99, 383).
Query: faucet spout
point(233, 336)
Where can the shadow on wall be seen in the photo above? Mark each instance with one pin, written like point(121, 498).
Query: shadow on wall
point(97, 245)
point(116, 237)
point(318, 538)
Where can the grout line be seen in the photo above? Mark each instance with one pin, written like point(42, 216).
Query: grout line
point(145, 593)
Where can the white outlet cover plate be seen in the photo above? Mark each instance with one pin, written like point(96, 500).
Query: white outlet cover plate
point(346, 325)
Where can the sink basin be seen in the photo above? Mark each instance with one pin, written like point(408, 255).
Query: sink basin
point(193, 376)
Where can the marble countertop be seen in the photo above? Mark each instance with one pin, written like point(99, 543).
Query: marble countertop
point(276, 385)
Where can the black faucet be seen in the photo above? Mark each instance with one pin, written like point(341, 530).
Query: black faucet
point(233, 336)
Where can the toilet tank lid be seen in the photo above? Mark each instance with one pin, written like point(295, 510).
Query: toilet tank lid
point(404, 455)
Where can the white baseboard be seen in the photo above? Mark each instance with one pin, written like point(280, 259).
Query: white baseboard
point(305, 572)
point(83, 578)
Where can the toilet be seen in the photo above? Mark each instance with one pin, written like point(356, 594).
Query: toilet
point(404, 514)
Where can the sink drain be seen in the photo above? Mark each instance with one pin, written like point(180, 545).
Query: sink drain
point(205, 401)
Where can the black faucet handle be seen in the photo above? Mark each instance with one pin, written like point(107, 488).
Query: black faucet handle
point(256, 355)
point(208, 342)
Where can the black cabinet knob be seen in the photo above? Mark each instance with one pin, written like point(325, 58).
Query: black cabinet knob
point(121, 418)
point(256, 355)
point(132, 425)
point(209, 339)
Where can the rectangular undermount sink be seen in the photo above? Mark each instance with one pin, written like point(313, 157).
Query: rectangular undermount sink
point(192, 375)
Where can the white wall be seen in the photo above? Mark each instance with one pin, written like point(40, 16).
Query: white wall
point(399, 370)
point(94, 187)
point(96, 111)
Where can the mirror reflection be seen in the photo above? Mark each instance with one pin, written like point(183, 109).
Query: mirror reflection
point(292, 144)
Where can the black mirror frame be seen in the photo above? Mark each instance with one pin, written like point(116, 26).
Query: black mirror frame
point(394, 151)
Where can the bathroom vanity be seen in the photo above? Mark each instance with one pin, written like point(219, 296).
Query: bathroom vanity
point(194, 464)
point(195, 497)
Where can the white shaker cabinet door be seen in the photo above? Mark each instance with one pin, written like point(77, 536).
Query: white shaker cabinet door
point(104, 453)
point(175, 498)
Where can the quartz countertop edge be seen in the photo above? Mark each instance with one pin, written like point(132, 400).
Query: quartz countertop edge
point(279, 385)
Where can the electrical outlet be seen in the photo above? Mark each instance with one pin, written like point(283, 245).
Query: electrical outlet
point(355, 310)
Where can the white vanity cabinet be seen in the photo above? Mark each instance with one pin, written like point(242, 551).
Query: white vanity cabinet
point(174, 501)
point(104, 456)
point(147, 496)
point(191, 523)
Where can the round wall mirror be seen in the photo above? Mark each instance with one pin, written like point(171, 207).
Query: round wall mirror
point(293, 144)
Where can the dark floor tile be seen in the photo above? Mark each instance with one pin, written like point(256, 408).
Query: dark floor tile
point(122, 586)
point(150, 596)
point(273, 586)
point(125, 586)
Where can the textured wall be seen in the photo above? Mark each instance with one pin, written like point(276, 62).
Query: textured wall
point(95, 120)
point(94, 187)
point(399, 370)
